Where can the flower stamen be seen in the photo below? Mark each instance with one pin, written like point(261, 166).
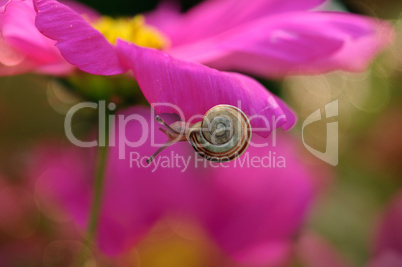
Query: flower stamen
point(133, 29)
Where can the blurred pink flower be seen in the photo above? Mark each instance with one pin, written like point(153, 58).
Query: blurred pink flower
point(389, 259)
point(314, 251)
point(22, 47)
point(25, 238)
point(269, 38)
point(272, 38)
point(388, 245)
point(252, 213)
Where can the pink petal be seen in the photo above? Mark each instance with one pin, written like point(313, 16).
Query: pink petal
point(246, 208)
point(387, 259)
point(214, 17)
point(164, 16)
point(293, 43)
point(313, 251)
point(18, 28)
point(195, 88)
point(8, 55)
point(63, 180)
point(15, 70)
point(59, 69)
point(83, 10)
point(135, 194)
point(389, 232)
point(78, 41)
point(270, 254)
point(23, 47)
point(228, 204)
point(3, 5)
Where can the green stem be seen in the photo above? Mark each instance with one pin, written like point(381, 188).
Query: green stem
point(99, 179)
point(102, 153)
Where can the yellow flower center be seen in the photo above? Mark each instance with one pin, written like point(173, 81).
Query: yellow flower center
point(131, 29)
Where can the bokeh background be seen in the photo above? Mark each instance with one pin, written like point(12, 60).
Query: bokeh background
point(352, 197)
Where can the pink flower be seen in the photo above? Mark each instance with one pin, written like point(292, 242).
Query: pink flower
point(252, 213)
point(177, 82)
point(388, 246)
point(269, 38)
point(314, 251)
point(272, 38)
point(22, 47)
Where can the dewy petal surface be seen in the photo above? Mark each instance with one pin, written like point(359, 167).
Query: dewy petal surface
point(78, 41)
point(195, 88)
point(293, 43)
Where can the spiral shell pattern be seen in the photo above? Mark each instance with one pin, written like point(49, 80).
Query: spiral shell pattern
point(223, 135)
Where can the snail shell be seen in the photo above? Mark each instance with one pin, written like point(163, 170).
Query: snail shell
point(223, 134)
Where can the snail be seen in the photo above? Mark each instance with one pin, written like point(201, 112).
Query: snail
point(223, 134)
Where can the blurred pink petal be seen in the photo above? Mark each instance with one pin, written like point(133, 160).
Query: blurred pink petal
point(272, 38)
point(252, 213)
point(3, 5)
point(85, 11)
point(249, 208)
point(57, 187)
point(134, 197)
point(270, 254)
point(8, 56)
point(389, 232)
point(267, 38)
point(137, 195)
point(388, 243)
point(293, 43)
point(164, 16)
point(24, 47)
point(210, 18)
point(195, 88)
point(78, 41)
point(313, 251)
point(387, 259)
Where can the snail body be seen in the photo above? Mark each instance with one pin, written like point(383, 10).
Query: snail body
point(223, 134)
